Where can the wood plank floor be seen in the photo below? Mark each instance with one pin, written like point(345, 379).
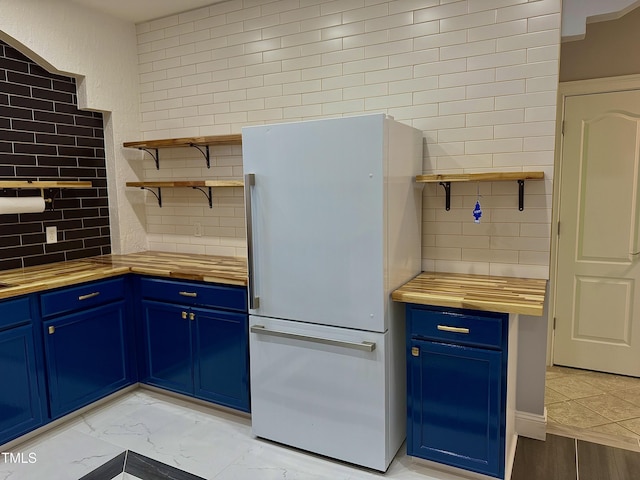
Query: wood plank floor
point(564, 458)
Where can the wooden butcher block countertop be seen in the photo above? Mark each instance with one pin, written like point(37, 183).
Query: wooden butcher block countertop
point(208, 268)
point(477, 292)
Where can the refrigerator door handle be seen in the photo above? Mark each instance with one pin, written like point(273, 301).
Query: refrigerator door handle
point(365, 346)
point(250, 181)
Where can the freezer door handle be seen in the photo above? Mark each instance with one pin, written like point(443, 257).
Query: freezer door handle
point(250, 181)
point(365, 346)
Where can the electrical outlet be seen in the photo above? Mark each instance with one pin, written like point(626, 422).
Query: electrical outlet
point(197, 229)
point(52, 235)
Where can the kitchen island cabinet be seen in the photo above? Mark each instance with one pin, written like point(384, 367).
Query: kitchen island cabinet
point(87, 339)
point(22, 406)
point(195, 339)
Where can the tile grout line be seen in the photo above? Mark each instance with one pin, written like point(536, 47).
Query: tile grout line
point(576, 449)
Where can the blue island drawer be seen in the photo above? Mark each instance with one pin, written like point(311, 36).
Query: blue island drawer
point(193, 293)
point(14, 312)
point(475, 328)
point(83, 296)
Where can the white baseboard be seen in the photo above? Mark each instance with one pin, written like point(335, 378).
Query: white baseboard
point(531, 425)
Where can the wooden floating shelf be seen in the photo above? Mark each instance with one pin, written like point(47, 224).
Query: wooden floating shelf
point(199, 143)
point(195, 184)
point(479, 177)
point(445, 180)
point(234, 139)
point(21, 184)
point(188, 183)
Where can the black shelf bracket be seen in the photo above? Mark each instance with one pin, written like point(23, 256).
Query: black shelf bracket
point(447, 193)
point(50, 200)
point(155, 156)
point(205, 152)
point(208, 195)
point(521, 195)
point(157, 195)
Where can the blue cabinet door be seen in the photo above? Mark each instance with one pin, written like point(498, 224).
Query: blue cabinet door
point(86, 356)
point(21, 408)
point(455, 406)
point(221, 357)
point(167, 336)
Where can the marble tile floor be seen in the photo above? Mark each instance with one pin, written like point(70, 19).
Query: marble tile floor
point(204, 442)
point(593, 406)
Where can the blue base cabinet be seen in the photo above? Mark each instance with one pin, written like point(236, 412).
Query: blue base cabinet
point(21, 404)
point(86, 343)
point(195, 339)
point(456, 379)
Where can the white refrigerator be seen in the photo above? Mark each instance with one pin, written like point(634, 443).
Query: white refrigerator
point(333, 226)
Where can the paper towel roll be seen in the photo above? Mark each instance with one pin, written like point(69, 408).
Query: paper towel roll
point(21, 205)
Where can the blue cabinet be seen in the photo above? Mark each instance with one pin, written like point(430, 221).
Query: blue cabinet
point(456, 379)
point(86, 343)
point(21, 405)
point(196, 340)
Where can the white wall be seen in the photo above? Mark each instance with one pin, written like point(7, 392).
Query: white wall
point(100, 52)
point(478, 77)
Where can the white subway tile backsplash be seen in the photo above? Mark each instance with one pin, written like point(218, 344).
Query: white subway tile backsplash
point(480, 5)
point(368, 65)
point(539, 114)
point(542, 84)
point(408, 5)
point(466, 50)
point(375, 90)
point(528, 10)
point(389, 101)
point(478, 77)
point(544, 22)
point(467, 78)
point(391, 21)
point(468, 21)
point(439, 95)
point(440, 12)
point(497, 30)
point(494, 146)
point(440, 39)
point(539, 143)
point(341, 56)
point(530, 70)
point(520, 130)
point(463, 134)
point(414, 30)
point(513, 57)
point(529, 40)
point(467, 106)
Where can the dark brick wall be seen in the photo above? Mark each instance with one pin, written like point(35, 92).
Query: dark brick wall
point(43, 136)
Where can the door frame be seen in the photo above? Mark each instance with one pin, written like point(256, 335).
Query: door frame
point(570, 89)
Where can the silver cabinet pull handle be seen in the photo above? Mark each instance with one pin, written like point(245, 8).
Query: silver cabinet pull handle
point(88, 296)
point(188, 294)
point(250, 181)
point(447, 328)
point(365, 346)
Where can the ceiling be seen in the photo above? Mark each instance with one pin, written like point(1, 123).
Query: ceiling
point(137, 11)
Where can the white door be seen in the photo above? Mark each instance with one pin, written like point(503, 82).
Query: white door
point(317, 211)
point(321, 389)
point(598, 269)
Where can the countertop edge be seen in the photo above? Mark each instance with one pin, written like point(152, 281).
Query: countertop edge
point(503, 294)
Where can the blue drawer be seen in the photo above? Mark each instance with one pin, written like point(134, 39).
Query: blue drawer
point(14, 312)
point(83, 296)
point(484, 329)
point(194, 293)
